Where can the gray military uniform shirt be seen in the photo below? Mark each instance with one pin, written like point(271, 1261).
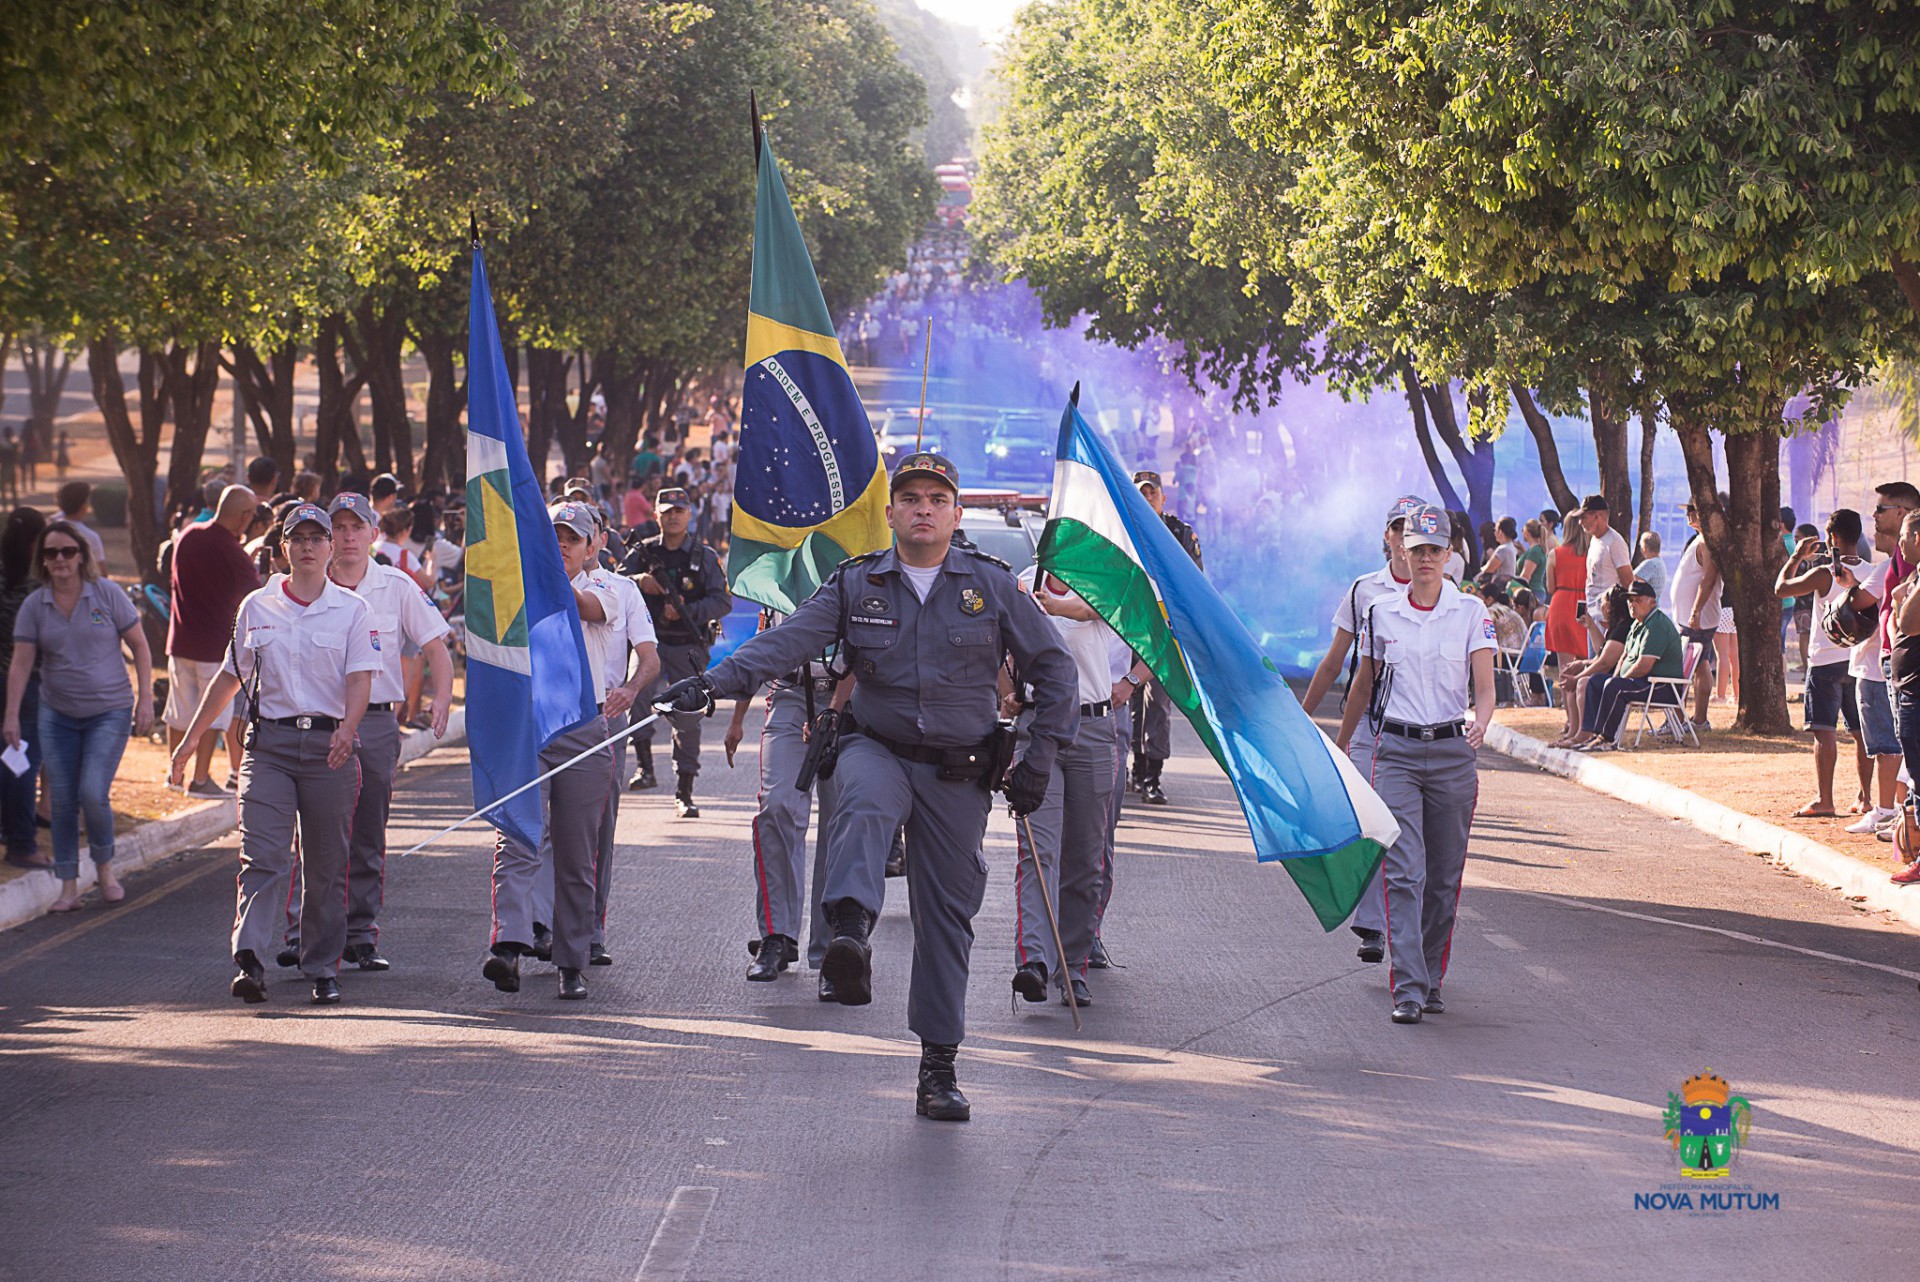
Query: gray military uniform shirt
point(925, 673)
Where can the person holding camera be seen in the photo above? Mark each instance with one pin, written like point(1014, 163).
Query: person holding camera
point(923, 627)
point(1829, 697)
point(686, 593)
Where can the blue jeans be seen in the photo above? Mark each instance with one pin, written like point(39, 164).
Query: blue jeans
point(20, 794)
point(81, 755)
point(1906, 722)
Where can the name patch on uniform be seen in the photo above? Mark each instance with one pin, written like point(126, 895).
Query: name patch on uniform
point(971, 601)
point(876, 605)
point(873, 619)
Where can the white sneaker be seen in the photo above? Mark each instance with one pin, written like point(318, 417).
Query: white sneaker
point(1870, 821)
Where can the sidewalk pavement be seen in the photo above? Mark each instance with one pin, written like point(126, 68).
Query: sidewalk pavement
point(1863, 883)
point(24, 898)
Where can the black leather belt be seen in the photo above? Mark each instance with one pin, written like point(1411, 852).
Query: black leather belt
point(379, 707)
point(1426, 734)
point(306, 723)
point(1104, 708)
point(925, 754)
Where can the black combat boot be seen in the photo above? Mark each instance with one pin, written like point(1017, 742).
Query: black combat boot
point(643, 774)
point(1150, 783)
point(848, 965)
point(771, 956)
point(939, 1096)
point(683, 799)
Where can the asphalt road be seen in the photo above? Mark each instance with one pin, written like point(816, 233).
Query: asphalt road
point(1239, 1105)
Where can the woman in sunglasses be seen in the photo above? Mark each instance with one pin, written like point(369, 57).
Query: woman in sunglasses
point(74, 626)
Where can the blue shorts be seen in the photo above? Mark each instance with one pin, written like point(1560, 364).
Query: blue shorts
point(1829, 698)
point(1876, 718)
point(1705, 637)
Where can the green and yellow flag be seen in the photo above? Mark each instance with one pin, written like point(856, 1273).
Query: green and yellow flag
point(809, 489)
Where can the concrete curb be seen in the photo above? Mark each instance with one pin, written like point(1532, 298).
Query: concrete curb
point(1855, 878)
point(25, 898)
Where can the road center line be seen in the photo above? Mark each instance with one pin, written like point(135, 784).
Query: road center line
point(670, 1254)
point(1740, 935)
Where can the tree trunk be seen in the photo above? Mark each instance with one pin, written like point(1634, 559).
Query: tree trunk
point(625, 384)
point(1649, 429)
point(46, 368)
point(190, 380)
point(547, 372)
point(6, 350)
point(1564, 499)
point(334, 426)
point(1740, 536)
point(376, 341)
point(1475, 460)
point(1610, 447)
point(268, 385)
point(1417, 404)
point(446, 401)
point(1909, 278)
point(135, 448)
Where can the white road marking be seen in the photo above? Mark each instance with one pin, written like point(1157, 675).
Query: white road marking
point(1740, 935)
point(1507, 942)
point(670, 1254)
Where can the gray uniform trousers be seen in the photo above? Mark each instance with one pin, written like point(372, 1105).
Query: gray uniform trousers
point(379, 753)
point(1431, 789)
point(1070, 829)
point(1152, 725)
point(603, 843)
point(1371, 912)
point(946, 874)
point(678, 662)
point(285, 783)
point(780, 827)
point(576, 799)
point(1122, 737)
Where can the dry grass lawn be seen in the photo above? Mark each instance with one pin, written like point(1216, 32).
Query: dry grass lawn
point(1767, 778)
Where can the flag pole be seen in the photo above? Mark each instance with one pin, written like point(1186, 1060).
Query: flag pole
point(926, 362)
point(1046, 902)
point(574, 760)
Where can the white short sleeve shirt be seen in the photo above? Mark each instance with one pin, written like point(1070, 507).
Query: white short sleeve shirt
point(1351, 613)
point(301, 654)
point(607, 640)
point(400, 612)
point(1085, 639)
point(1429, 654)
point(1606, 557)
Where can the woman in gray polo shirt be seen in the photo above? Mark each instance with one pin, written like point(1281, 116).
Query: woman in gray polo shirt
point(75, 624)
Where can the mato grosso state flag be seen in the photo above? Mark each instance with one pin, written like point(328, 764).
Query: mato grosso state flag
point(527, 673)
point(809, 489)
point(1306, 805)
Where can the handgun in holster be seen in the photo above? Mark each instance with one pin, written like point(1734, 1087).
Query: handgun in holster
point(823, 747)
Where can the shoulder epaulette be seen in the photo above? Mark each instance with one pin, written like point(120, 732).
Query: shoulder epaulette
point(988, 557)
point(861, 559)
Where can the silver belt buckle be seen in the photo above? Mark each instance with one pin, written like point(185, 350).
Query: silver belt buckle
point(304, 723)
point(1426, 734)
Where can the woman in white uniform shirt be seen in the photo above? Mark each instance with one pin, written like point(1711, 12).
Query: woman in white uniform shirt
point(303, 655)
point(1422, 651)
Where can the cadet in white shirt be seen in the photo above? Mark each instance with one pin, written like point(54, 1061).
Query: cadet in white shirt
point(1421, 651)
point(1069, 828)
point(629, 642)
point(575, 799)
point(1370, 917)
point(405, 620)
point(304, 653)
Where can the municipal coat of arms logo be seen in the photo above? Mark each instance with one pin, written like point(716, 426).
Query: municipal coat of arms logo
point(1706, 1123)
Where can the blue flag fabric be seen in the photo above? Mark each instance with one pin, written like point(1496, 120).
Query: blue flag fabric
point(1306, 806)
point(527, 674)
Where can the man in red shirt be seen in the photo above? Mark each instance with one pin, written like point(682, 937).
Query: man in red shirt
point(212, 574)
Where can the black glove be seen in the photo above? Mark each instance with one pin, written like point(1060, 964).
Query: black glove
point(694, 694)
point(1026, 788)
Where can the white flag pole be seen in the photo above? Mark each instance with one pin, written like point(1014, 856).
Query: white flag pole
point(574, 760)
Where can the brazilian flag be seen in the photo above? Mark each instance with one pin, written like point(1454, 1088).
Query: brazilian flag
point(809, 489)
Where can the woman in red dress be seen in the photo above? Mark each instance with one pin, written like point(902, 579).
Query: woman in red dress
point(1566, 590)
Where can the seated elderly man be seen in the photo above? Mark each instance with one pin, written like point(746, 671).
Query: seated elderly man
point(1653, 649)
point(1583, 681)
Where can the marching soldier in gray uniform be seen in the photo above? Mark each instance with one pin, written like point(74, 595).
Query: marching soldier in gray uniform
point(923, 627)
point(1152, 711)
point(686, 592)
point(794, 702)
point(403, 617)
point(303, 655)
